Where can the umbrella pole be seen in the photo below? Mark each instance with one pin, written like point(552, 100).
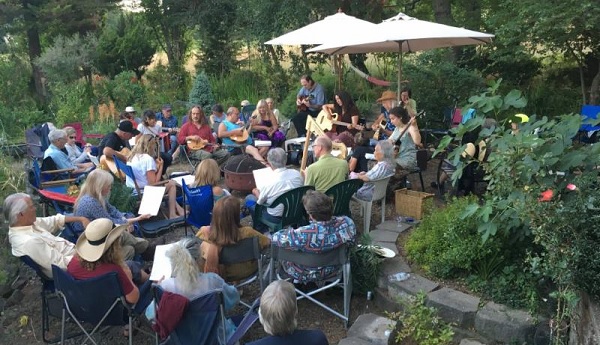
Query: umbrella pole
point(399, 71)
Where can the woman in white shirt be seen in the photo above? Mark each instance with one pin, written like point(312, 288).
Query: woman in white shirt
point(147, 168)
point(149, 124)
point(76, 155)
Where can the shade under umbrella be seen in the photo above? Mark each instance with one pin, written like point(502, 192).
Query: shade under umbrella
point(403, 34)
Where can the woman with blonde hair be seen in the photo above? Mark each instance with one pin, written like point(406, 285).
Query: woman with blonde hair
point(92, 203)
point(224, 230)
point(208, 173)
point(147, 168)
point(266, 127)
point(75, 153)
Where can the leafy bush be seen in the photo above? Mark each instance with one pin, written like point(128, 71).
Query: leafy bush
point(163, 87)
point(69, 58)
point(447, 245)
point(126, 90)
point(71, 102)
point(366, 266)
point(231, 89)
point(122, 198)
point(419, 324)
point(201, 93)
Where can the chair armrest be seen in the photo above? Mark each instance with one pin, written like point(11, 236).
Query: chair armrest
point(59, 171)
point(58, 183)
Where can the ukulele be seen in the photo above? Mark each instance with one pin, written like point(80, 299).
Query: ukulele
point(107, 163)
point(326, 123)
point(242, 138)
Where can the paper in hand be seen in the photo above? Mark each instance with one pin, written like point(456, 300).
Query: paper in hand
point(161, 266)
point(151, 200)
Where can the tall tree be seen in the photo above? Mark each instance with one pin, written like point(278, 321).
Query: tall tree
point(216, 29)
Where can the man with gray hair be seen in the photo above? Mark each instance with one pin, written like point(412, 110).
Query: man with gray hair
point(283, 180)
point(58, 140)
point(32, 236)
point(328, 170)
point(277, 313)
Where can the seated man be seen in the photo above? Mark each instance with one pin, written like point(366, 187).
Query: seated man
point(324, 233)
point(114, 142)
point(56, 151)
point(328, 170)
point(284, 179)
point(198, 135)
point(232, 133)
point(310, 100)
point(169, 124)
point(278, 312)
point(33, 237)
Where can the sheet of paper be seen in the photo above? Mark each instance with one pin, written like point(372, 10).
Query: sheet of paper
point(263, 176)
point(161, 267)
point(189, 180)
point(151, 200)
point(94, 159)
point(262, 143)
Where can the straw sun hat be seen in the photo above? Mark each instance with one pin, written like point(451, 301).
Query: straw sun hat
point(387, 95)
point(97, 238)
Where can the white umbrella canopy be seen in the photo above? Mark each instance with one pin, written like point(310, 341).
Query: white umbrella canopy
point(403, 34)
point(323, 31)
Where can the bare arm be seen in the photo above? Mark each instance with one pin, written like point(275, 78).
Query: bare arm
point(224, 133)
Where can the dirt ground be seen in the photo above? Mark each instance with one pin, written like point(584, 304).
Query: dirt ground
point(21, 324)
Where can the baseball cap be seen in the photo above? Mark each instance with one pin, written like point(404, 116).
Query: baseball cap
point(166, 107)
point(129, 110)
point(127, 126)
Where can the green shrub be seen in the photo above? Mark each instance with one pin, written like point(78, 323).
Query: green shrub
point(231, 89)
point(163, 87)
point(71, 102)
point(447, 245)
point(366, 266)
point(201, 93)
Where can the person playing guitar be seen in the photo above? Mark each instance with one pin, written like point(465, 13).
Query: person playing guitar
point(235, 136)
point(382, 125)
point(310, 100)
point(198, 134)
point(116, 143)
point(348, 115)
point(408, 136)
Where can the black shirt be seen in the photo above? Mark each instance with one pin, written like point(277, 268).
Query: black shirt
point(113, 141)
point(362, 163)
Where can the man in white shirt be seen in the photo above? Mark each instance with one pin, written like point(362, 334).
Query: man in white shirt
point(284, 180)
point(33, 236)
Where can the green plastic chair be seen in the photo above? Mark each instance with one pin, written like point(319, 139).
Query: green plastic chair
point(293, 210)
point(342, 194)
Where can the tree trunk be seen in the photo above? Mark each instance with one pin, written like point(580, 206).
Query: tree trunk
point(443, 15)
point(595, 87)
point(34, 50)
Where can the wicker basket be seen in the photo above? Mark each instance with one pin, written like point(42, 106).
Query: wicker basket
point(410, 203)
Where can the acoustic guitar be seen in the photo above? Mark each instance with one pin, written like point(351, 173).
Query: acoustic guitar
point(195, 145)
point(326, 123)
point(107, 163)
point(303, 107)
point(381, 127)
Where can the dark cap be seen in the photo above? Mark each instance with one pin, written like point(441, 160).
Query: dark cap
point(166, 107)
point(127, 127)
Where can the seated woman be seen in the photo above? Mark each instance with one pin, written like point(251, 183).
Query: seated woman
point(347, 112)
point(358, 161)
point(407, 136)
point(98, 252)
point(408, 103)
point(208, 172)
point(384, 154)
point(188, 280)
point(278, 314)
point(266, 127)
point(147, 168)
point(149, 124)
point(225, 229)
point(92, 203)
point(75, 153)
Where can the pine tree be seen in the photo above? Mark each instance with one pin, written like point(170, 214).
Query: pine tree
point(201, 93)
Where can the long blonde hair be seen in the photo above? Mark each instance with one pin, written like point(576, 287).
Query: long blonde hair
point(95, 182)
point(148, 144)
point(207, 172)
point(263, 103)
point(183, 256)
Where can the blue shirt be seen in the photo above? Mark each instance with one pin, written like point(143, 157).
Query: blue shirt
point(59, 157)
point(317, 95)
point(167, 123)
point(389, 126)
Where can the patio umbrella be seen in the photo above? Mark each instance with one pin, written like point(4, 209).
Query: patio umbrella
point(403, 34)
point(326, 30)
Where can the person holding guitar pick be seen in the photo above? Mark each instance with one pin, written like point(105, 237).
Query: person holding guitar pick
point(347, 121)
point(407, 135)
point(197, 135)
point(310, 100)
point(236, 138)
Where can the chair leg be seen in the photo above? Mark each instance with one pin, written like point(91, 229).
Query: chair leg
point(422, 184)
point(368, 207)
point(130, 331)
point(382, 210)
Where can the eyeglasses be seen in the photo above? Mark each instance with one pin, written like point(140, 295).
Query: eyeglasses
point(73, 137)
point(315, 145)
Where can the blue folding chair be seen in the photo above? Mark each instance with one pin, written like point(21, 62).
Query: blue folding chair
point(201, 202)
point(98, 301)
